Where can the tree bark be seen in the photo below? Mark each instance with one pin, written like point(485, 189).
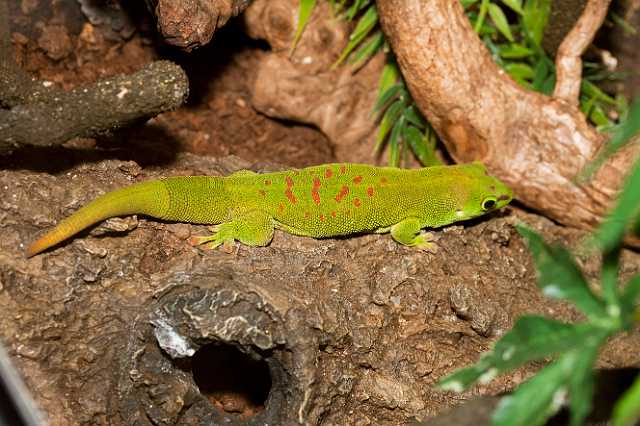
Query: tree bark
point(535, 143)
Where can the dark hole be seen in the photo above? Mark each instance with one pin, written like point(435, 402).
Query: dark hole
point(231, 380)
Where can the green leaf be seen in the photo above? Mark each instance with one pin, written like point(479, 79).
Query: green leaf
point(536, 399)
point(515, 5)
point(609, 280)
point(598, 117)
point(500, 20)
point(581, 380)
point(368, 50)
point(390, 94)
point(514, 51)
point(559, 277)
point(484, 6)
point(365, 24)
point(304, 13)
point(467, 3)
point(534, 19)
point(549, 84)
point(414, 117)
point(611, 233)
point(519, 70)
point(421, 145)
point(591, 90)
point(394, 142)
point(531, 338)
point(628, 300)
point(626, 131)
point(388, 120)
point(534, 338)
point(540, 74)
point(389, 77)
point(626, 412)
point(541, 396)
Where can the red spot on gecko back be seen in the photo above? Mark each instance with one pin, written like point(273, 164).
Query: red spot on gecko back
point(357, 202)
point(328, 173)
point(370, 191)
point(289, 181)
point(281, 207)
point(343, 169)
point(344, 191)
point(290, 196)
point(357, 180)
point(314, 191)
point(333, 213)
point(322, 218)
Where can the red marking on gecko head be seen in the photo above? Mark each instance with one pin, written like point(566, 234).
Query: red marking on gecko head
point(357, 202)
point(343, 169)
point(290, 196)
point(262, 192)
point(289, 181)
point(357, 180)
point(267, 182)
point(370, 191)
point(333, 213)
point(344, 191)
point(328, 173)
point(314, 191)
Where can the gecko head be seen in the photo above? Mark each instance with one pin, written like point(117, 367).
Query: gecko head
point(480, 193)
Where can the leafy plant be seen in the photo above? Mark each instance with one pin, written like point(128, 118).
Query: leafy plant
point(574, 346)
point(401, 123)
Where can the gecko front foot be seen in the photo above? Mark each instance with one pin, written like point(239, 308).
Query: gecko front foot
point(408, 232)
point(426, 242)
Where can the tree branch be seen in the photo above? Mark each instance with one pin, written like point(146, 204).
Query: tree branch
point(37, 113)
point(537, 144)
point(568, 61)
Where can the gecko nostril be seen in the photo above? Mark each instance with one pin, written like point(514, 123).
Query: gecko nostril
point(503, 197)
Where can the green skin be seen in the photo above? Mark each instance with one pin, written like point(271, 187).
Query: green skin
point(320, 201)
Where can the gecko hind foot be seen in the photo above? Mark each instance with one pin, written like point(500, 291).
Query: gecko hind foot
point(223, 234)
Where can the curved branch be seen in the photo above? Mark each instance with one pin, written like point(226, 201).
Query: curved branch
point(568, 61)
point(535, 143)
point(190, 24)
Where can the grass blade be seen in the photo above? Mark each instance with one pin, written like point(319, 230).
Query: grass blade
point(500, 20)
point(304, 13)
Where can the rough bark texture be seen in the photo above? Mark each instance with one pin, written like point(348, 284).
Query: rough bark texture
point(537, 144)
point(104, 328)
point(38, 113)
point(303, 87)
point(189, 24)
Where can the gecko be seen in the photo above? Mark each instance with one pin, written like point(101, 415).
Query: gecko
point(321, 201)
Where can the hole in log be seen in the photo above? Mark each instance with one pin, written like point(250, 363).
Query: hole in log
point(233, 381)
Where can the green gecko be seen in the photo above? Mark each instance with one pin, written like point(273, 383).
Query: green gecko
point(320, 201)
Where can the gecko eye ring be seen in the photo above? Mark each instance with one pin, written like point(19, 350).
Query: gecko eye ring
point(488, 203)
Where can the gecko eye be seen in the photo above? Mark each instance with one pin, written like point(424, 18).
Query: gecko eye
point(488, 203)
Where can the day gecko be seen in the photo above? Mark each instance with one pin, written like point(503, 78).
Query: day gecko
point(320, 201)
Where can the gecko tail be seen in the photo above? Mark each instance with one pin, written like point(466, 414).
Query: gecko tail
point(149, 198)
